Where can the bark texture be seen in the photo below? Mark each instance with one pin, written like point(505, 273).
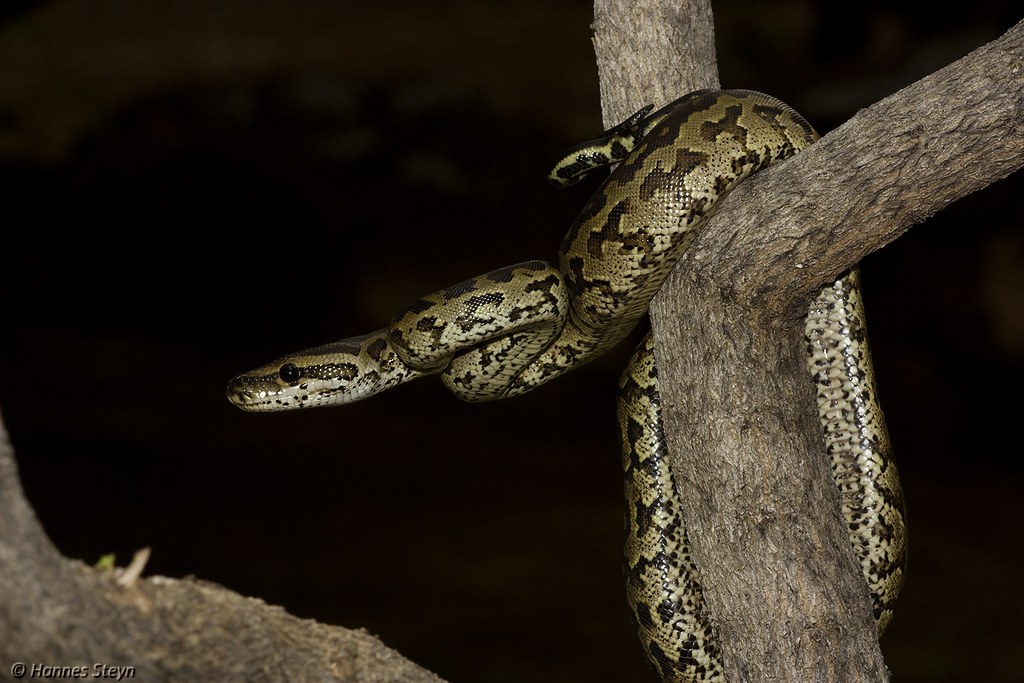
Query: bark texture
point(766, 529)
point(785, 591)
point(652, 51)
point(62, 612)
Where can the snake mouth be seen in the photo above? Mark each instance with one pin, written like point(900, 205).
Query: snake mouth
point(242, 399)
point(245, 392)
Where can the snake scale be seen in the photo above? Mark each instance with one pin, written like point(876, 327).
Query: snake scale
point(515, 328)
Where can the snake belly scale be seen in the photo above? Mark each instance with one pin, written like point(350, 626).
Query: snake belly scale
point(512, 329)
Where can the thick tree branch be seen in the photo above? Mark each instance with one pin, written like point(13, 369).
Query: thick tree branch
point(888, 168)
point(787, 596)
point(60, 612)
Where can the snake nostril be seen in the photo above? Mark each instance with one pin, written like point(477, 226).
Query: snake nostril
point(236, 390)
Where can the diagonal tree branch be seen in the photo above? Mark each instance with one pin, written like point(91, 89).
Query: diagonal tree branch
point(888, 168)
point(60, 612)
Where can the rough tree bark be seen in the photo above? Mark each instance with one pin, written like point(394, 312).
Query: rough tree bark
point(62, 612)
point(740, 409)
point(785, 591)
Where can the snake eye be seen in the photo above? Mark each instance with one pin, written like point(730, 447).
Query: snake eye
point(290, 373)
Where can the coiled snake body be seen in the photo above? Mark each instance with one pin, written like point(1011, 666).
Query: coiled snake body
point(512, 329)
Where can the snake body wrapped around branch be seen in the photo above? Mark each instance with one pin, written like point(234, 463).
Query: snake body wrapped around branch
point(512, 329)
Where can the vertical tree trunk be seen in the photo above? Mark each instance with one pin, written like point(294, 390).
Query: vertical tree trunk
point(652, 51)
point(784, 589)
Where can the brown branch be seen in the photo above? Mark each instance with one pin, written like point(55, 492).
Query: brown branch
point(60, 612)
point(888, 168)
point(652, 52)
point(786, 593)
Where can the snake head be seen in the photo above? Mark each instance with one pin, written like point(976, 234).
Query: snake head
point(285, 385)
point(342, 372)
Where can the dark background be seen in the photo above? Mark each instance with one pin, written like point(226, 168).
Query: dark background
point(193, 188)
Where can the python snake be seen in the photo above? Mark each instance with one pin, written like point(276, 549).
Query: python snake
point(512, 329)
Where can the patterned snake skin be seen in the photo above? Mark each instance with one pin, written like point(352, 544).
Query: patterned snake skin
point(512, 329)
